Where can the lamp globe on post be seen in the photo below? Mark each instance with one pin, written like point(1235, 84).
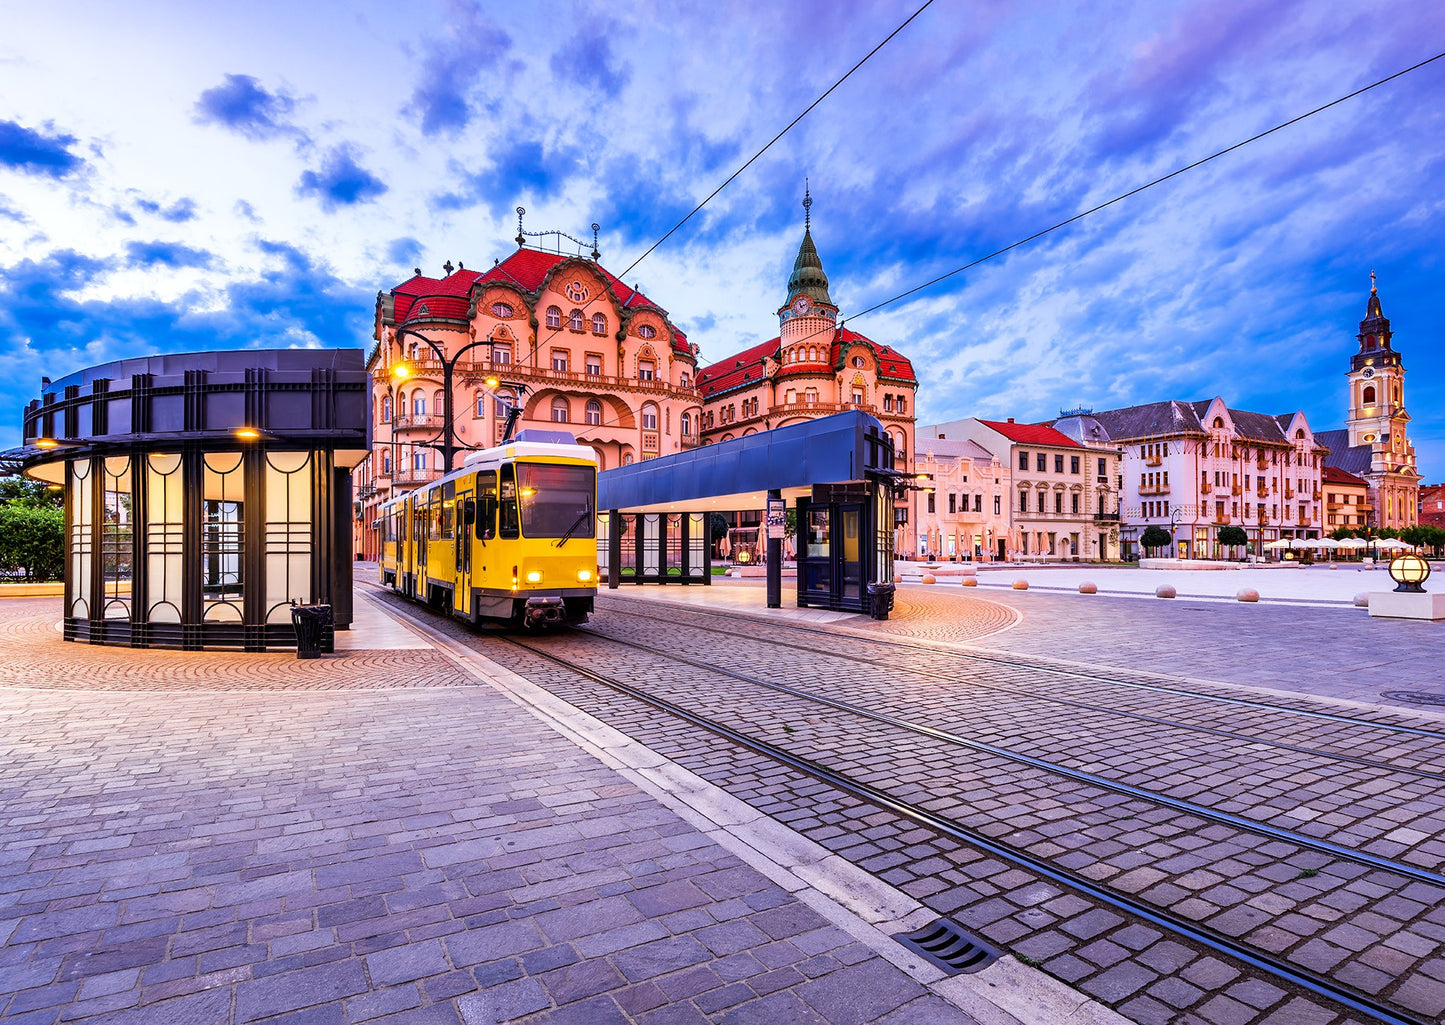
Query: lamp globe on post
point(1409, 571)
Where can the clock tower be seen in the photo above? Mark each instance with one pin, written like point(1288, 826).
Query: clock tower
point(1377, 421)
point(809, 314)
point(1377, 381)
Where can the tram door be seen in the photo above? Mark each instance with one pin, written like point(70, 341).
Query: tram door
point(466, 516)
point(850, 567)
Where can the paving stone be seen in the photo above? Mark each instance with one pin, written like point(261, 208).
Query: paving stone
point(771, 1010)
point(578, 981)
point(862, 993)
point(503, 1002)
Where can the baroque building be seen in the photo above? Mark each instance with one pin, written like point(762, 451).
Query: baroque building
point(557, 335)
point(1373, 444)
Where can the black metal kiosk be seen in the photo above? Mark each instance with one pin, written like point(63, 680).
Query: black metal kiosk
point(206, 494)
point(837, 470)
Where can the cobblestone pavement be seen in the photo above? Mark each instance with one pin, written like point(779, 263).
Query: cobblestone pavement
point(1332, 917)
point(414, 849)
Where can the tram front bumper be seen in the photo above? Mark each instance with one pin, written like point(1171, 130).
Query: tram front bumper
point(544, 611)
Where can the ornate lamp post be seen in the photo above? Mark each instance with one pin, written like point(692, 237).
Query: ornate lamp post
point(449, 443)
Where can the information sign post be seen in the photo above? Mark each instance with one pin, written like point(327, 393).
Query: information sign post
point(775, 520)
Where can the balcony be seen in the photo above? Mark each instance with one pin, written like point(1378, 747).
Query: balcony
point(1112, 517)
point(1220, 519)
point(1154, 489)
point(1288, 492)
point(1262, 492)
point(1304, 521)
point(410, 478)
point(1153, 461)
point(1234, 489)
point(1205, 488)
point(426, 422)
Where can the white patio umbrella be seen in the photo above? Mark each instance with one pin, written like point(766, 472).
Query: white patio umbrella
point(1353, 542)
point(1284, 542)
point(1393, 544)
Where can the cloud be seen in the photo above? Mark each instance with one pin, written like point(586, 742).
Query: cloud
point(403, 251)
point(168, 254)
point(179, 212)
point(522, 169)
point(243, 105)
point(33, 152)
point(12, 213)
point(341, 181)
point(452, 66)
point(586, 59)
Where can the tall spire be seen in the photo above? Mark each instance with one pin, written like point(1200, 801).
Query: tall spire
point(808, 277)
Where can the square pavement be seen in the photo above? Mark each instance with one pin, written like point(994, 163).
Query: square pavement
point(204, 853)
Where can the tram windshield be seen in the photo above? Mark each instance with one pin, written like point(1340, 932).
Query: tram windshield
point(557, 500)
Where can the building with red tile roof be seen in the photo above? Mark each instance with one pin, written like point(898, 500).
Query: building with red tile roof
point(557, 333)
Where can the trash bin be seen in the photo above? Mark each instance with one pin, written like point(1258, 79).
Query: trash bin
point(880, 600)
point(313, 629)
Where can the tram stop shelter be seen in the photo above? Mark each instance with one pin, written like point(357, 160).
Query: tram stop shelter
point(836, 471)
point(205, 493)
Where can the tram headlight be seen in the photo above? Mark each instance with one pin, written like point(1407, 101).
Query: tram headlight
point(534, 576)
point(584, 575)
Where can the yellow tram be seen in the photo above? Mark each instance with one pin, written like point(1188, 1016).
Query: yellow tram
point(509, 536)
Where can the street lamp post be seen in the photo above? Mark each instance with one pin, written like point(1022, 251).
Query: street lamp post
point(449, 443)
point(1176, 516)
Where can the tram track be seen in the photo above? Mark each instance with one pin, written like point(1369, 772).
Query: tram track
point(893, 665)
point(1091, 779)
point(710, 711)
point(1316, 984)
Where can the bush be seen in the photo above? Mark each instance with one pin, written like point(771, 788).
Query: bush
point(32, 541)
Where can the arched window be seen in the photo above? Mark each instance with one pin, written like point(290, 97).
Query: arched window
point(599, 324)
point(1369, 396)
point(649, 417)
point(594, 413)
point(501, 309)
point(438, 403)
point(479, 403)
point(627, 459)
point(504, 400)
point(386, 409)
point(418, 403)
point(559, 410)
point(1218, 422)
point(686, 422)
point(554, 317)
point(902, 404)
point(574, 320)
point(646, 331)
point(1300, 434)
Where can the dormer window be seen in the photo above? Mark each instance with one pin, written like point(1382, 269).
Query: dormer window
point(574, 320)
point(501, 309)
point(858, 361)
point(554, 317)
point(646, 331)
point(599, 324)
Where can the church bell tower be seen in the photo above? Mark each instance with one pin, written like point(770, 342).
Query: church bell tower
point(810, 313)
point(1378, 420)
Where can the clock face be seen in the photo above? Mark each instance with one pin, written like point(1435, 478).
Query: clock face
point(1369, 372)
point(801, 304)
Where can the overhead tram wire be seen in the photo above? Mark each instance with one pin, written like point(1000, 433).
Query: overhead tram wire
point(1136, 191)
point(727, 181)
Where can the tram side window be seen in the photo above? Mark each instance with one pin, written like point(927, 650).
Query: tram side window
point(487, 505)
point(446, 509)
point(507, 505)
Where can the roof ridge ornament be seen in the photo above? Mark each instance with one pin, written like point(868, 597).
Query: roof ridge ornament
point(808, 210)
point(1373, 289)
point(522, 237)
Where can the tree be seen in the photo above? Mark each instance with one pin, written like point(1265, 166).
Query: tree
point(1155, 537)
point(1232, 536)
point(1343, 533)
point(29, 493)
point(32, 541)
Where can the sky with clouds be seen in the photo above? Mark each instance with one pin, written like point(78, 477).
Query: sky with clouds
point(182, 176)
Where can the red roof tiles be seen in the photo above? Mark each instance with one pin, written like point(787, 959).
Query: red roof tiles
point(1031, 434)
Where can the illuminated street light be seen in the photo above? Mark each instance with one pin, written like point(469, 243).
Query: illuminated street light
point(1409, 572)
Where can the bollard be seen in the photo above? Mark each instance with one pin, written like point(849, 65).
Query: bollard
point(1362, 600)
point(1088, 587)
point(1247, 594)
point(928, 578)
point(1021, 585)
point(1165, 591)
point(970, 581)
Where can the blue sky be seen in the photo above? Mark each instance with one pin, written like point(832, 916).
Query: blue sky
point(182, 176)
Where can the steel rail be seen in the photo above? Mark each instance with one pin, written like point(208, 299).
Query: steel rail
point(1077, 775)
point(1303, 978)
point(1103, 709)
point(1080, 674)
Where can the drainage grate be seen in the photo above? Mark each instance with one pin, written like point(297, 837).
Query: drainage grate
point(1416, 697)
point(947, 945)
